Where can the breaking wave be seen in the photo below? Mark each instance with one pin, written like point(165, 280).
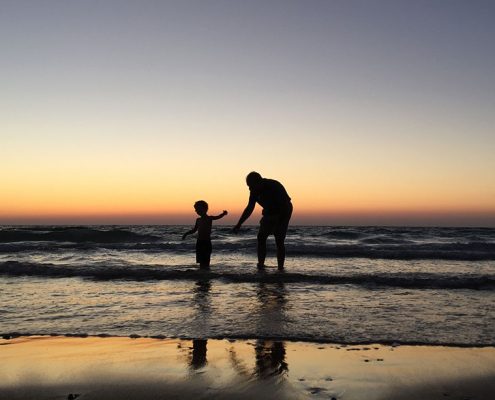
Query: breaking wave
point(466, 244)
point(128, 241)
point(149, 273)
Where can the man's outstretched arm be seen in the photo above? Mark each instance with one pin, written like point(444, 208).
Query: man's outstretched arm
point(245, 215)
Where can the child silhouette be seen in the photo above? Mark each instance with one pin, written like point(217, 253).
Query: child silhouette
point(203, 227)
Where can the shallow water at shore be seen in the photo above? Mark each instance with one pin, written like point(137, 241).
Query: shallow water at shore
point(341, 284)
point(210, 308)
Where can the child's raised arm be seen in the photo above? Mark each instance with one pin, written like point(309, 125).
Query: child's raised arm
point(191, 231)
point(213, 217)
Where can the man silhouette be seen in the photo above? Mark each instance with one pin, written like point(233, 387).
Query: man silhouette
point(277, 210)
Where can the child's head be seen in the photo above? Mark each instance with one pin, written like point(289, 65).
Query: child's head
point(201, 207)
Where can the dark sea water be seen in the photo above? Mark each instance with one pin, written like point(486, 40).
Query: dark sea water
point(341, 284)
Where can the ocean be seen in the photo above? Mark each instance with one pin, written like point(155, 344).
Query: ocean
point(389, 285)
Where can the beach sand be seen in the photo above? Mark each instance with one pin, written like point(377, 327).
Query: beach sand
point(59, 367)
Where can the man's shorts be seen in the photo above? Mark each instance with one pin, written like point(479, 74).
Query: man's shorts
point(203, 251)
point(276, 224)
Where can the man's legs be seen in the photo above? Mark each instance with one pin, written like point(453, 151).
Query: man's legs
point(280, 233)
point(262, 236)
point(280, 242)
point(266, 228)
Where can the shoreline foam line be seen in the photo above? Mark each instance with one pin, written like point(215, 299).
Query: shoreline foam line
point(300, 339)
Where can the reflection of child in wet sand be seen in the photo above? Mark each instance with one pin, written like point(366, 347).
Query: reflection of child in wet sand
point(203, 227)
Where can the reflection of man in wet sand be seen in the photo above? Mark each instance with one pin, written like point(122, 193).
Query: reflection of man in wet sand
point(270, 359)
point(277, 210)
point(270, 355)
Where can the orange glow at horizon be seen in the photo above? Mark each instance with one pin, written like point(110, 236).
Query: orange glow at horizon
point(103, 191)
point(118, 200)
point(141, 202)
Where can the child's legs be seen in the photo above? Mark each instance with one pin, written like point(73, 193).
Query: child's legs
point(203, 253)
point(205, 262)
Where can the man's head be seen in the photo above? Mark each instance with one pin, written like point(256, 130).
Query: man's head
point(254, 180)
point(201, 207)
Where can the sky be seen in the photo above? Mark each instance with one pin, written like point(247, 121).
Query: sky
point(369, 112)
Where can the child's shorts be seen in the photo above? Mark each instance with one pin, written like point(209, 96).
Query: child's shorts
point(203, 251)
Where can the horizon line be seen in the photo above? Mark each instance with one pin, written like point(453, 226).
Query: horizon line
point(349, 225)
point(447, 218)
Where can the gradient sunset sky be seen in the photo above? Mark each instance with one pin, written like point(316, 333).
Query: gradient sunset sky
point(369, 112)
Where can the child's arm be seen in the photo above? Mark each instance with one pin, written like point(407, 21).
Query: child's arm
point(191, 231)
point(213, 217)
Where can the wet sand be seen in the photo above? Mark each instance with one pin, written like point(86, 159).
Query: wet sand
point(46, 367)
